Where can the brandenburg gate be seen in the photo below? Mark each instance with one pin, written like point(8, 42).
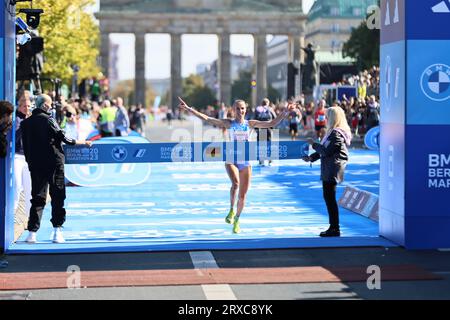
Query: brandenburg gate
point(221, 17)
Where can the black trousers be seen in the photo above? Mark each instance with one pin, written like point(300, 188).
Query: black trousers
point(329, 194)
point(41, 180)
point(264, 134)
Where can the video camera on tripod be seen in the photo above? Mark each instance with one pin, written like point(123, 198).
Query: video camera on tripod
point(30, 60)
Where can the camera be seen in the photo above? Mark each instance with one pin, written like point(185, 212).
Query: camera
point(24, 34)
point(33, 17)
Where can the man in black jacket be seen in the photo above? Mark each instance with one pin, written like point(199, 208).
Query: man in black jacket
point(42, 144)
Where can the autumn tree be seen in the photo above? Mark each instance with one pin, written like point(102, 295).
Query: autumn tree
point(71, 37)
point(242, 87)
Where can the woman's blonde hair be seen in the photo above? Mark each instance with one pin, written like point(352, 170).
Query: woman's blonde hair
point(337, 119)
point(236, 102)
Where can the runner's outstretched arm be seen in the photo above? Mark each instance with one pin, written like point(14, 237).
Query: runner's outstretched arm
point(271, 124)
point(222, 123)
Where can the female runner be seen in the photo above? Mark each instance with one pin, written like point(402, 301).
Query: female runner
point(239, 172)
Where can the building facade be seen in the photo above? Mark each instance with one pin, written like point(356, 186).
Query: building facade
point(113, 70)
point(330, 24)
point(277, 64)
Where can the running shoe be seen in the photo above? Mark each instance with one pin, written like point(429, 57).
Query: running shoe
point(236, 227)
point(230, 217)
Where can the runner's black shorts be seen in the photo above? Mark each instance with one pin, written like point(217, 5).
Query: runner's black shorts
point(293, 127)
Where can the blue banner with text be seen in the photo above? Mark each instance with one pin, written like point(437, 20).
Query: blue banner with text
point(185, 152)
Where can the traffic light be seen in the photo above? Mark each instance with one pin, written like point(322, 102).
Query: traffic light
point(30, 60)
point(292, 72)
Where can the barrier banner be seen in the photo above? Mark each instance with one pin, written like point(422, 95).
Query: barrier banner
point(113, 151)
point(360, 201)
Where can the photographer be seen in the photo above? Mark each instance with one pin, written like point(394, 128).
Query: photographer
point(42, 142)
point(6, 111)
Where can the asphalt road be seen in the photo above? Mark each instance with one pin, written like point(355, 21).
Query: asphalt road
point(433, 261)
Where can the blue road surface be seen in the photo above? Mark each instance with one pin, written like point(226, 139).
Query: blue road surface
point(182, 206)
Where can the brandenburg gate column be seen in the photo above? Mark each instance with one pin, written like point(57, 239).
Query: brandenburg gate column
point(140, 69)
point(295, 59)
point(104, 53)
point(176, 89)
point(261, 67)
point(225, 68)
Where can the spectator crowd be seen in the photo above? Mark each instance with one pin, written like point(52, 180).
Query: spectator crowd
point(362, 110)
point(81, 117)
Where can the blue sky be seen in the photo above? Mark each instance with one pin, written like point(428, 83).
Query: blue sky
point(158, 51)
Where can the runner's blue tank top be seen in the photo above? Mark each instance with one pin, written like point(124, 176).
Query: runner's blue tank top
point(240, 132)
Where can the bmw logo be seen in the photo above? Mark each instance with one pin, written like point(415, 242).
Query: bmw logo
point(119, 153)
point(435, 82)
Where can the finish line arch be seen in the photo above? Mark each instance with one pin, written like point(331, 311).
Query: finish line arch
point(414, 150)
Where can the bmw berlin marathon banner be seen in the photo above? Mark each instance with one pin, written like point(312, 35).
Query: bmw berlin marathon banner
point(415, 122)
point(132, 157)
point(184, 152)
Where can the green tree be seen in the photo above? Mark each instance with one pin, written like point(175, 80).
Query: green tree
point(363, 46)
point(71, 37)
point(195, 92)
point(273, 94)
point(242, 88)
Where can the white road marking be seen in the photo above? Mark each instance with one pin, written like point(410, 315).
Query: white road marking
point(218, 292)
point(205, 260)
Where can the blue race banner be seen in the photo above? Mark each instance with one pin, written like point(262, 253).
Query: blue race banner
point(393, 82)
point(107, 152)
point(392, 20)
point(415, 123)
point(428, 19)
point(429, 82)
